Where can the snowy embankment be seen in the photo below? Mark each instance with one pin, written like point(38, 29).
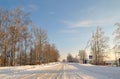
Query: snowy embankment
point(60, 71)
point(99, 72)
point(19, 71)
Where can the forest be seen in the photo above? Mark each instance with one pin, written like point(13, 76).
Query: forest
point(22, 42)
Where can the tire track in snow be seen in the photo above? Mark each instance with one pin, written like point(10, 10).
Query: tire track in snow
point(54, 76)
point(66, 72)
point(61, 71)
point(70, 72)
point(59, 74)
point(77, 76)
point(51, 74)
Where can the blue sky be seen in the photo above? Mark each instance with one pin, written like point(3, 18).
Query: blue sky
point(70, 23)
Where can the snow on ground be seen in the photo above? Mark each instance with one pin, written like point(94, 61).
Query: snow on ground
point(60, 71)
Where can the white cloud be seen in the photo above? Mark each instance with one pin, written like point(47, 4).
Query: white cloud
point(69, 31)
point(30, 7)
point(90, 23)
point(33, 7)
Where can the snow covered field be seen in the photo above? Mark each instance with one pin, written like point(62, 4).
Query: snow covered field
point(60, 71)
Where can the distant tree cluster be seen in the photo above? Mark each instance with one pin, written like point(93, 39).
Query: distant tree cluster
point(99, 44)
point(98, 48)
point(23, 43)
point(82, 55)
point(72, 59)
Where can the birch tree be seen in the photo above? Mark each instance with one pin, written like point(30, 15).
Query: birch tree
point(82, 54)
point(98, 46)
point(117, 42)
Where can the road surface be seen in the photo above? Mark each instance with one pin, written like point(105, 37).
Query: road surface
point(60, 71)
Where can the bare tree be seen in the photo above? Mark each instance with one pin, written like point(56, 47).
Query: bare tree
point(82, 54)
point(98, 45)
point(41, 38)
point(4, 21)
point(54, 53)
point(70, 58)
point(117, 42)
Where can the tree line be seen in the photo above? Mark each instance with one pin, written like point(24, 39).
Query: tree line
point(98, 44)
point(22, 42)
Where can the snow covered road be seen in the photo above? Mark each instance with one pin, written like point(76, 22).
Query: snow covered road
point(60, 71)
